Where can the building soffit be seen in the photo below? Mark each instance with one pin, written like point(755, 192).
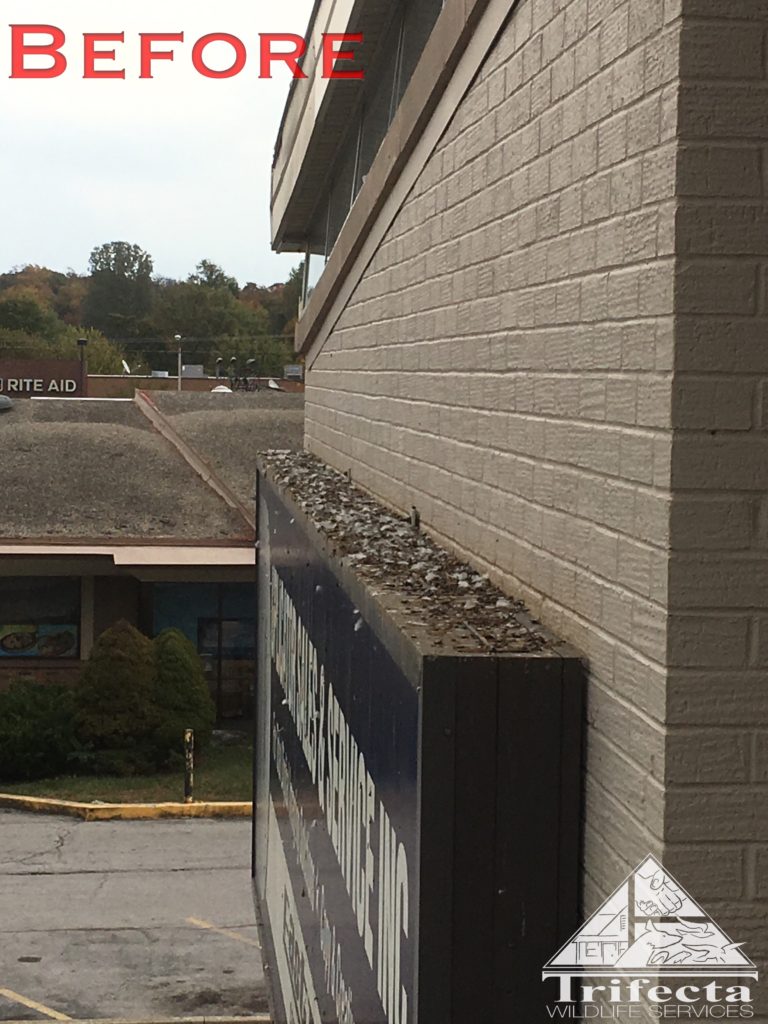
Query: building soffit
point(317, 117)
point(460, 41)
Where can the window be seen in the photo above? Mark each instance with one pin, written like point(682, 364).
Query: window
point(220, 620)
point(386, 81)
point(39, 617)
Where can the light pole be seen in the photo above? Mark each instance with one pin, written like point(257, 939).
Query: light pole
point(177, 339)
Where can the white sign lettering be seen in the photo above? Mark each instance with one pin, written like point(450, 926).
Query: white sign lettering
point(37, 385)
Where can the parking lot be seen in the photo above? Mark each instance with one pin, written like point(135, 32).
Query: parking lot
point(146, 919)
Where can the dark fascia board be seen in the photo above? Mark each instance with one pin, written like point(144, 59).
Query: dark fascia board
point(444, 48)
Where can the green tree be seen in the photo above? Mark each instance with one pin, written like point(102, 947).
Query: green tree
point(119, 296)
point(280, 301)
point(269, 355)
point(116, 713)
point(208, 318)
point(210, 275)
point(181, 693)
point(201, 311)
point(103, 355)
point(20, 345)
point(69, 300)
point(26, 313)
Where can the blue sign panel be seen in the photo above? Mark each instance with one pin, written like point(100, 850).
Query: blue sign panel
point(336, 829)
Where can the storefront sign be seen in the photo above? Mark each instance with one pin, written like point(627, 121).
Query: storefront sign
point(399, 845)
point(25, 378)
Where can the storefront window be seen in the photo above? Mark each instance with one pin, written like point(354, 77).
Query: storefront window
point(39, 617)
point(220, 620)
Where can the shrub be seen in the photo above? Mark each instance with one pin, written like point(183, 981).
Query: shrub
point(37, 730)
point(126, 716)
point(116, 714)
point(181, 693)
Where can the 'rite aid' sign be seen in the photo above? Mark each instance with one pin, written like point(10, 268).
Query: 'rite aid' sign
point(53, 378)
point(415, 843)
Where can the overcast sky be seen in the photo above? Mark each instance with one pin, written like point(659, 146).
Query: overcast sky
point(179, 164)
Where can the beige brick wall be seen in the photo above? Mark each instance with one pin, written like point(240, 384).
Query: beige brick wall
point(558, 355)
point(505, 365)
point(717, 804)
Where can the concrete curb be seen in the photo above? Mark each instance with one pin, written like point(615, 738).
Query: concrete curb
point(129, 812)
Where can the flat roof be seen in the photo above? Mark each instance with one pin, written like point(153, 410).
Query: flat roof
point(74, 469)
point(229, 431)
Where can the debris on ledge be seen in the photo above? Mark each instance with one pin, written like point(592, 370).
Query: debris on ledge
point(389, 551)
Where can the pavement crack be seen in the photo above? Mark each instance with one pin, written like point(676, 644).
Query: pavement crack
point(61, 839)
point(33, 858)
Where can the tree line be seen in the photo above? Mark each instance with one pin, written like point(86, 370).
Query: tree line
point(129, 314)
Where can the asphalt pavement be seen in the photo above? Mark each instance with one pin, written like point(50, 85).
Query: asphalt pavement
point(129, 919)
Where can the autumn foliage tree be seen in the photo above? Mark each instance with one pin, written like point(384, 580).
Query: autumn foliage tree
point(127, 312)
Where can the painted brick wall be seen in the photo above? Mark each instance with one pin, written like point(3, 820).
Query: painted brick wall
point(505, 364)
point(717, 763)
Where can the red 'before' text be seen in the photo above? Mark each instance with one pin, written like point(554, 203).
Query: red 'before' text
point(33, 57)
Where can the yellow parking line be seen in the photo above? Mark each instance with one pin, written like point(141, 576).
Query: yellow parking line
point(221, 931)
point(16, 998)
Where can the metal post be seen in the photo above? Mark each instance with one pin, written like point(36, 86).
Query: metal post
point(177, 339)
point(189, 764)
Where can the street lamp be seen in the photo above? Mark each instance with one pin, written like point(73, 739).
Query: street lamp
point(177, 339)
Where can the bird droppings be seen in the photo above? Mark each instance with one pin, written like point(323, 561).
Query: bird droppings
point(448, 598)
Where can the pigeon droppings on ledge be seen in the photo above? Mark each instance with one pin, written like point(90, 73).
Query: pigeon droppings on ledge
point(450, 598)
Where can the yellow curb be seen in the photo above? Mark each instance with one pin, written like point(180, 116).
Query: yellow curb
point(127, 812)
